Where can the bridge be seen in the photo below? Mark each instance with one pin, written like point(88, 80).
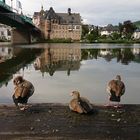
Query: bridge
point(23, 29)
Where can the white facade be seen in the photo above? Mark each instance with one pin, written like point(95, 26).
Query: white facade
point(136, 34)
point(107, 33)
point(109, 29)
point(5, 32)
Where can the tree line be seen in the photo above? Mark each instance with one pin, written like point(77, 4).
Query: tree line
point(93, 33)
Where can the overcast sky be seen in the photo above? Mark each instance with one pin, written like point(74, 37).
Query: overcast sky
point(96, 12)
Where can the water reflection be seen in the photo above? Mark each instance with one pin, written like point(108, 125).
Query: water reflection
point(5, 54)
point(124, 56)
point(58, 59)
point(69, 67)
point(14, 59)
point(51, 59)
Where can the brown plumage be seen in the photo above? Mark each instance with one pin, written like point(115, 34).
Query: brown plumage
point(80, 104)
point(116, 89)
point(23, 90)
point(22, 87)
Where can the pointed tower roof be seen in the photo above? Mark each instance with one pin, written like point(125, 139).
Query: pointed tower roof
point(42, 12)
point(51, 14)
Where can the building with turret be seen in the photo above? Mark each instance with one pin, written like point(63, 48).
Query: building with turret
point(58, 25)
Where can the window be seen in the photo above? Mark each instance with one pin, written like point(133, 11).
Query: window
point(2, 33)
point(8, 32)
point(77, 27)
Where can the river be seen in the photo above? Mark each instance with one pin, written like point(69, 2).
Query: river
point(57, 69)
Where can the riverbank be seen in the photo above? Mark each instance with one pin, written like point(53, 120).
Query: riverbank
point(57, 122)
point(110, 41)
point(60, 41)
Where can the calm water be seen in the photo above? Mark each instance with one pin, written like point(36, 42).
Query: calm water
point(57, 69)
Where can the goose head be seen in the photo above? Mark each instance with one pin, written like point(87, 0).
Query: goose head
point(18, 80)
point(75, 94)
point(118, 77)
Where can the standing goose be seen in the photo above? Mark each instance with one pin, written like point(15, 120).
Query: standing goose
point(80, 104)
point(116, 89)
point(23, 90)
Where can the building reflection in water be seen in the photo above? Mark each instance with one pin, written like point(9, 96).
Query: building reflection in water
point(62, 58)
point(58, 58)
point(5, 53)
point(97, 63)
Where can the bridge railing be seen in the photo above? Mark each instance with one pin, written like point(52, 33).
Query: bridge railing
point(27, 19)
point(5, 6)
point(22, 18)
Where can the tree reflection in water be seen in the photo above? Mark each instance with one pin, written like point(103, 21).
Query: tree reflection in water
point(14, 59)
point(125, 56)
point(52, 59)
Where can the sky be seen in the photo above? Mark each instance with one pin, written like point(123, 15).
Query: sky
point(96, 12)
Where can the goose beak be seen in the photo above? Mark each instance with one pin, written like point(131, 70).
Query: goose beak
point(71, 94)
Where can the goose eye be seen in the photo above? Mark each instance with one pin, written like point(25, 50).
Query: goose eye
point(18, 82)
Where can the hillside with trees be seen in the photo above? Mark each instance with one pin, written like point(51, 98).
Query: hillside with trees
point(121, 33)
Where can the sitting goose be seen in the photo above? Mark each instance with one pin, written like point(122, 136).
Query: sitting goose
point(23, 90)
point(80, 104)
point(116, 89)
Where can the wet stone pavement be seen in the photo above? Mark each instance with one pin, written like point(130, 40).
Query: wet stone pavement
point(57, 122)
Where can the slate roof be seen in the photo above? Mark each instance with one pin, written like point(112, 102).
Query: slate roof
point(63, 18)
point(36, 14)
point(110, 27)
point(73, 18)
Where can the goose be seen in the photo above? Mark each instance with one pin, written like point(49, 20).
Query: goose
point(80, 104)
point(115, 88)
point(22, 91)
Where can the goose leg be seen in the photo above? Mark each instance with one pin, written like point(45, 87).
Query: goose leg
point(117, 105)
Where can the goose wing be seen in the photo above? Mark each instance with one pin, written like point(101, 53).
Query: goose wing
point(122, 88)
point(85, 104)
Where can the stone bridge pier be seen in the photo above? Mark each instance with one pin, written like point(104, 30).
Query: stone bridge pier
point(20, 36)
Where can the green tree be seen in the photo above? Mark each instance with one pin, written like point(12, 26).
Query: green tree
point(90, 37)
point(85, 30)
point(115, 36)
point(120, 28)
point(95, 33)
point(128, 29)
